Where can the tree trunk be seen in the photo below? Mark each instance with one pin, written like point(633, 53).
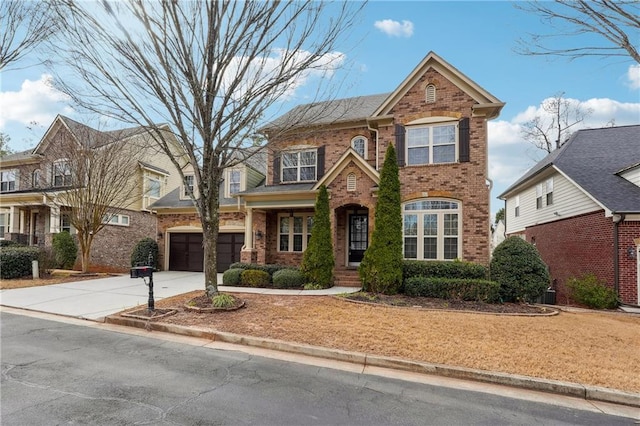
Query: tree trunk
point(85, 250)
point(210, 218)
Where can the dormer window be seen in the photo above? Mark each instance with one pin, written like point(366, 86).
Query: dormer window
point(35, 179)
point(188, 185)
point(430, 94)
point(235, 179)
point(359, 144)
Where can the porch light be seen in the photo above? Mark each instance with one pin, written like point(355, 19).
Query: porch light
point(258, 235)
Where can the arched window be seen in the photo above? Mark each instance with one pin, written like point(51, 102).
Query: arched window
point(431, 94)
point(432, 229)
point(359, 144)
point(35, 179)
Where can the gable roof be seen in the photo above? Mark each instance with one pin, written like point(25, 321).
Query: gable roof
point(349, 156)
point(593, 159)
point(487, 104)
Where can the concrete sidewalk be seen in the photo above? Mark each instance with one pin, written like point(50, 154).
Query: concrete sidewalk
point(95, 299)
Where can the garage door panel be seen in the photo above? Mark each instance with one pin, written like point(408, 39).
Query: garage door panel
point(186, 252)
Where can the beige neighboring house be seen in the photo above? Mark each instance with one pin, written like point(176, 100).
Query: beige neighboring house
point(31, 178)
point(436, 119)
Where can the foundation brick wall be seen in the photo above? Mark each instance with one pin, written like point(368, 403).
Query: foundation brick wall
point(584, 244)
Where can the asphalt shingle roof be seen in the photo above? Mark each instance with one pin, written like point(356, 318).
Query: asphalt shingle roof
point(592, 158)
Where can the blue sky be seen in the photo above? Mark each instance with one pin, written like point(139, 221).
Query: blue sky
point(390, 40)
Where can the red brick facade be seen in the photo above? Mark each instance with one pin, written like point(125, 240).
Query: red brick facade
point(584, 244)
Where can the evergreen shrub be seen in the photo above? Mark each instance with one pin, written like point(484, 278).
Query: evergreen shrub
point(232, 276)
point(317, 261)
point(65, 250)
point(288, 278)
point(141, 251)
point(588, 290)
point(254, 278)
point(15, 262)
point(444, 269)
point(516, 265)
point(479, 290)
point(269, 268)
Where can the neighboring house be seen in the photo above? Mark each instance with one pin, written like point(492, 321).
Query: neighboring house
point(30, 179)
point(580, 206)
point(497, 234)
point(437, 120)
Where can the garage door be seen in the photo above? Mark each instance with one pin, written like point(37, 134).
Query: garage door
point(186, 252)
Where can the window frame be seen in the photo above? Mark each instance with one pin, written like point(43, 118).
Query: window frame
point(120, 219)
point(430, 144)
point(6, 183)
point(299, 166)
point(65, 177)
point(365, 145)
point(230, 181)
point(430, 93)
point(290, 246)
point(36, 177)
point(517, 207)
point(5, 224)
point(539, 196)
point(418, 226)
point(65, 227)
point(548, 188)
point(186, 185)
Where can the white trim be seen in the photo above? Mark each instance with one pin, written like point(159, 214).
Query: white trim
point(306, 233)
point(366, 145)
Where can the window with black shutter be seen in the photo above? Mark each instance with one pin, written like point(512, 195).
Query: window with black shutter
point(464, 140)
point(399, 133)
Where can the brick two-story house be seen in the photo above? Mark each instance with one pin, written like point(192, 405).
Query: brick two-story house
point(30, 180)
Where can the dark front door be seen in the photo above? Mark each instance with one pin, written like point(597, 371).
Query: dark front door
point(229, 247)
point(358, 237)
point(186, 252)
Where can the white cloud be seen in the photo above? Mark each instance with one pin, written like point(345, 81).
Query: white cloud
point(394, 28)
point(634, 76)
point(36, 101)
point(504, 133)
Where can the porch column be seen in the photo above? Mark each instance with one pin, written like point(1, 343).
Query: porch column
point(54, 220)
point(248, 229)
point(14, 220)
point(23, 221)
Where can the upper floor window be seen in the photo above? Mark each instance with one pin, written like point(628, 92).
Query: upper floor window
point(61, 173)
point(517, 208)
point(549, 191)
point(359, 144)
point(116, 219)
point(35, 179)
point(430, 94)
point(65, 222)
point(8, 180)
point(154, 187)
point(299, 166)
point(539, 196)
point(431, 144)
point(188, 185)
point(294, 232)
point(432, 230)
point(235, 178)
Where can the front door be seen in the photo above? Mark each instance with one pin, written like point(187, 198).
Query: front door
point(358, 237)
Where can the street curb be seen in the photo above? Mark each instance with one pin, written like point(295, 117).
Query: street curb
point(577, 390)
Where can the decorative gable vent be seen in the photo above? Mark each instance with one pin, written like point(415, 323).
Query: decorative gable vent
point(431, 94)
point(351, 182)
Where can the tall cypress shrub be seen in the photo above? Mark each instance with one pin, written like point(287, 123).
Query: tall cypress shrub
point(381, 267)
point(317, 261)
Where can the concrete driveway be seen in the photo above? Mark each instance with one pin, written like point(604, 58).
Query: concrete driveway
point(95, 299)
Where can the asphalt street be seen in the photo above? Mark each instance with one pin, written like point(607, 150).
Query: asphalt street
point(57, 372)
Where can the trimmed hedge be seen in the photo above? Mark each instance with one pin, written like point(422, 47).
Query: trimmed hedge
point(453, 289)
point(442, 269)
point(269, 269)
point(140, 254)
point(288, 278)
point(232, 276)
point(65, 250)
point(15, 262)
point(10, 243)
point(254, 278)
point(592, 292)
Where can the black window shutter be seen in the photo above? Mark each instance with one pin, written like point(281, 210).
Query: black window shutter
point(399, 131)
point(276, 168)
point(463, 138)
point(320, 165)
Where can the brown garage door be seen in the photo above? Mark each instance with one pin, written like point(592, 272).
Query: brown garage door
point(186, 252)
point(229, 246)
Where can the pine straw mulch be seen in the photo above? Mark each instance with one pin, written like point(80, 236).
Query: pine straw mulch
point(588, 347)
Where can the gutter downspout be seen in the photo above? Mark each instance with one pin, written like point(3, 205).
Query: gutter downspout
point(377, 154)
point(617, 218)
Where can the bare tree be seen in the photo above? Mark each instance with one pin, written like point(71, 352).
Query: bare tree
point(212, 70)
point(25, 24)
point(617, 21)
point(93, 177)
point(549, 130)
point(4, 145)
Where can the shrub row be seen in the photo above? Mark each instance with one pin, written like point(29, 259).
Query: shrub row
point(15, 262)
point(269, 269)
point(283, 277)
point(453, 288)
point(442, 269)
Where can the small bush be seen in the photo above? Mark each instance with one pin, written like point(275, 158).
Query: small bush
point(140, 254)
point(443, 269)
point(516, 265)
point(269, 269)
point(10, 243)
point(15, 262)
point(590, 291)
point(288, 278)
point(46, 260)
point(232, 276)
point(254, 278)
point(222, 300)
point(453, 289)
point(65, 250)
